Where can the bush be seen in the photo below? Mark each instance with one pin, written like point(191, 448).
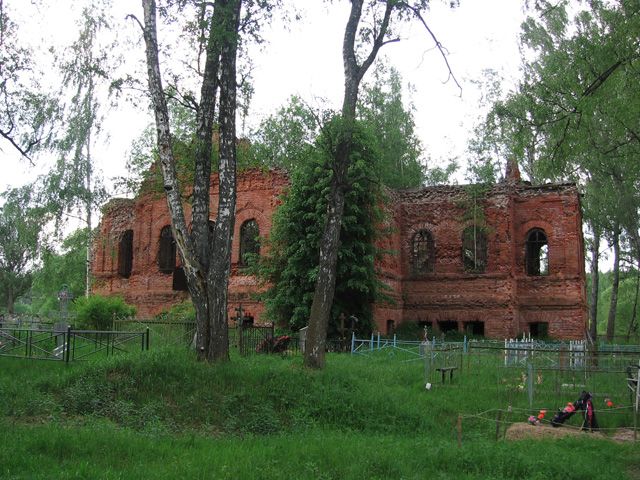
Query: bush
point(99, 312)
point(181, 312)
point(410, 331)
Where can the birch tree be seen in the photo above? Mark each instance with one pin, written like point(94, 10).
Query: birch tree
point(28, 112)
point(72, 184)
point(205, 255)
point(20, 228)
point(575, 115)
point(369, 27)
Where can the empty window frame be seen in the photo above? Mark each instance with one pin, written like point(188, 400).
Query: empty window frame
point(447, 326)
point(422, 252)
point(537, 253)
point(474, 249)
point(179, 280)
point(539, 329)
point(475, 328)
point(125, 254)
point(249, 242)
point(166, 251)
point(391, 327)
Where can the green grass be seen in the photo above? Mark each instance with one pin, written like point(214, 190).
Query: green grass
point(161, 414)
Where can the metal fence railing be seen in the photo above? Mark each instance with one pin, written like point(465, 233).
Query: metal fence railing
point(69, 344)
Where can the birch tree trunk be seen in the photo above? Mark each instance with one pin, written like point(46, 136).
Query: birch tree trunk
point(613, 305)
point(205, 257)
point(325, 284)
point(89, 219)
point(218, 277)
point(595, 285)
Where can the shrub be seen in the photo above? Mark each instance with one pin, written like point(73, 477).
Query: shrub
point(410, 331)
point(181, 312)
point(99, 312)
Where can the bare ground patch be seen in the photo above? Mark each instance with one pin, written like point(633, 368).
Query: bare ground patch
point(521, 431)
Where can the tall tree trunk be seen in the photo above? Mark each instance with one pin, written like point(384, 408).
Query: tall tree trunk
point(634, 312)
point(326, 282)
point(191, 263)
point(10, 300)
point(595, 284)
point(611, 320)
point(202, 238)
point(89, 219)
point(218, 277)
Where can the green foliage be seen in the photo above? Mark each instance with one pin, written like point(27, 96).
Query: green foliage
point(181, 312)
point(58, 269)
point(575, 113)
point(410, 331)
point(85, 66)
point(99, 312)
point(382, 109)
point(625, 308)
point(291, 266)
point(573, 116)
point(20, 227)
point(284, 138)
point(28, 112)
point(143, 173)
point(163, 414)
point(441, 175)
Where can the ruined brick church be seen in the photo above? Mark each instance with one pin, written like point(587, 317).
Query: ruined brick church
point(521, 271)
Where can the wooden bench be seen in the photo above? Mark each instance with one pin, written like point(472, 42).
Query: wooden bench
point(444, 370)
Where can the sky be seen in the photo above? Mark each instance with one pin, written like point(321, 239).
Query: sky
point(304, 58)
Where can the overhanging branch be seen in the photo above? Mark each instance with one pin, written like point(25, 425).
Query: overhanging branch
point(439, 45)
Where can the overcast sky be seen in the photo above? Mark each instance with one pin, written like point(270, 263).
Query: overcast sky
point(304, 58)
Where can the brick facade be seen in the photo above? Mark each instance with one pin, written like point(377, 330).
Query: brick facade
point(502, 300)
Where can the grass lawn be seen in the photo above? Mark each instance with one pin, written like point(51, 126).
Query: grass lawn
point(161, 414)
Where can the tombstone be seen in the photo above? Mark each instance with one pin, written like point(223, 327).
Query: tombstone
point(64, 297)
point(59, 330)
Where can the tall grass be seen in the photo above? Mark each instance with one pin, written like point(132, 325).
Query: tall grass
point(103, 451)
point(161, 414)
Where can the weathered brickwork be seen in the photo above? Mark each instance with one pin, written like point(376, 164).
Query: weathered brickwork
point(503, 299)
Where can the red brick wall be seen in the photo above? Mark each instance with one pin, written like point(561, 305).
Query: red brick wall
point(504, 298)
point(149, 289)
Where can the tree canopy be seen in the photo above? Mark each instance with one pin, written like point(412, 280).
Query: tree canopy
point(20, 229)
point(291, 267)
point(575, 114)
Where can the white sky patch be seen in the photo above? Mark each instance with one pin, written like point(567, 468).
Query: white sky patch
point(304, 58)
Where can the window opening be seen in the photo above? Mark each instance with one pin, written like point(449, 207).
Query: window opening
point(422, 252)
point(249, 241)
point(475, 328)
point(125, 254)
point(474, 249)
point(537, 253)
point(539, 329)
point(179, 280)
point(448, 326)
point(391, 327)
point(166, 251)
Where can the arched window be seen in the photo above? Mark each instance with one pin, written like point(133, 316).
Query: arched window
point(125, 254)
point(166, 250)
point(474, 249)
point(537, 253)
point(249, 241)
point(422, 252)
